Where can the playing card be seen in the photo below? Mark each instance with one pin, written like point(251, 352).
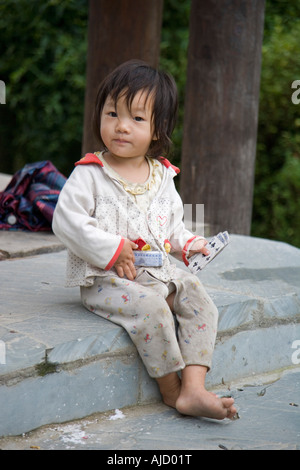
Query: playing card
point(214, 246)
point(226, 236)
point(221, 237)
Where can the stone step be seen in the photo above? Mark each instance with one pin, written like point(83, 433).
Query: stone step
point(59, 362)
point(268, 412)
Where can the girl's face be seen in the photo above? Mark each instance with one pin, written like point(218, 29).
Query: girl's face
point(127, 133)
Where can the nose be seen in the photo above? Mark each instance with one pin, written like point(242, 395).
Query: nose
point(122, 125)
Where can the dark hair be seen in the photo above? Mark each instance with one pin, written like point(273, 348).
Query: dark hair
point(131, 77)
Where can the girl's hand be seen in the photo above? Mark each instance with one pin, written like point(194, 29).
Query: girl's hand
point(199, 247)
point(124, 264)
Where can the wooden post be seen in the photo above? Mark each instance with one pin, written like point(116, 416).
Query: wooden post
point(221, 111)
point(118, 30)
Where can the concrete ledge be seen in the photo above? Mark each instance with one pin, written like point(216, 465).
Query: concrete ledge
point(18, 244)
point(62, 362)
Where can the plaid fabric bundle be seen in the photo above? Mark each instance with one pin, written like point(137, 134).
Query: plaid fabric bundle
point(29, 200)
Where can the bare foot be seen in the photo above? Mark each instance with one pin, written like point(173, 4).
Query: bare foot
point(205, 404)
point(170, 387)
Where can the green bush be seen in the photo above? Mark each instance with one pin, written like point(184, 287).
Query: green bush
point(277, 185)
point(173, 58)
point(42, 61)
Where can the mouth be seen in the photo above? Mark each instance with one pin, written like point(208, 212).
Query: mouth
point(121, 141)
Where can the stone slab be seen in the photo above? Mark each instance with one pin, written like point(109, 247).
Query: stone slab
point(37, 311)
point(269, 419)
point(41, 321)
point(40, 317)
point(16, 244)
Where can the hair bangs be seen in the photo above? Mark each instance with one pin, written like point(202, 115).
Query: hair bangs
point(131, 83)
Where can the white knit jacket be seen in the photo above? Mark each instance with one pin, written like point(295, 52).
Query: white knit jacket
point(94, 215)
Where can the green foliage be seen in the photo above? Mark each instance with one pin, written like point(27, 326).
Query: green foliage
point(277, 184)
point(173, 58)
point(42, 61)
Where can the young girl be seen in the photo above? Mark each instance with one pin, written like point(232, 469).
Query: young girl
point(123, 199)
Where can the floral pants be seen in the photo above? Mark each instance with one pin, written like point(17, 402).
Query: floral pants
point(140, 307)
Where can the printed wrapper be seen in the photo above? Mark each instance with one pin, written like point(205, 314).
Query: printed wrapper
point(148, 258)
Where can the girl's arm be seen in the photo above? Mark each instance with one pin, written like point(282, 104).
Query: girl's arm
point(75, 226)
